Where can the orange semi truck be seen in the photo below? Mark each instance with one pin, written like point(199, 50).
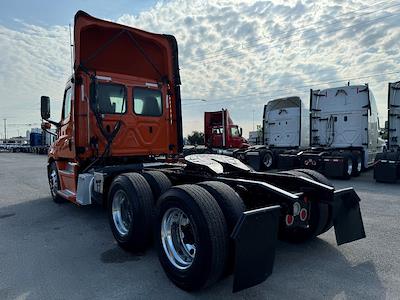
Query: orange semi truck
point(118, 145)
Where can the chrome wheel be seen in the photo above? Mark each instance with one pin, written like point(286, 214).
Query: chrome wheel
point(267, 160)
point(122, 212)
point(178, 238)
point(53, 181)
point(359, 164)
point(349, 166)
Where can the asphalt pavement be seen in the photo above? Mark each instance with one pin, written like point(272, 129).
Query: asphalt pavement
point(62, 251)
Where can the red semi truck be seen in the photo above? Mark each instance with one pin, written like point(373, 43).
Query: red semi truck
point(118, 144)
point(221, 133)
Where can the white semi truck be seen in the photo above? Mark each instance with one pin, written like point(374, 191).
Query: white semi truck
point(285, 128)
point(344, 133)
point(387, 166)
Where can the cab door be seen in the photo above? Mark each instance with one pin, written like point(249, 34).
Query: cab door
point(65, 142)
point(65, 149)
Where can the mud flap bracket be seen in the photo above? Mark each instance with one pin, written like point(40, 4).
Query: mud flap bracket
point(255, 236)
point(347, 218)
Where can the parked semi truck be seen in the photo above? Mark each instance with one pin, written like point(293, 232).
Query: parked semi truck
point(344, 133)
point(118, 144)
point(285, 128)
point(221, 136)
point(387, 166)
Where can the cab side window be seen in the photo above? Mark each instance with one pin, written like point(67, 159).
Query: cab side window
point(67, 103)
point(147, 102)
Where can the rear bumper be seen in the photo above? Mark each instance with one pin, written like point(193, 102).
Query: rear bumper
point(331, 166)
point(255, 235)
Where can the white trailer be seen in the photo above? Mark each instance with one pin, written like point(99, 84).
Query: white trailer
point(344, 132)
point(285, 127)
point(387, 166)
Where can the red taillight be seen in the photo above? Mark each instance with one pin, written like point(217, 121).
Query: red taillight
point(289, 220)
point(303, 214)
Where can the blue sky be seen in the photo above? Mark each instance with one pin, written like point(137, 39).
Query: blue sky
point(55, 12)
point(235, 54)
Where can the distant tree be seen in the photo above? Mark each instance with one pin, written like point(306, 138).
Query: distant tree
point(196, 138)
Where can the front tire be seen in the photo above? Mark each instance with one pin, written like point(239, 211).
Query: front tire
point(54, 183)
point(191, 237)
point(130, 208)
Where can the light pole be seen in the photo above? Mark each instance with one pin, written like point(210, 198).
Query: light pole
point(253, 119)
point(5, 130)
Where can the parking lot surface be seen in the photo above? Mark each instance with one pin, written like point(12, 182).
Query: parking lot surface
point(50, 251)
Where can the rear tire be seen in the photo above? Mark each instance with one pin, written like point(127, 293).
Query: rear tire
point(347, 165)
point(267, 160)
point(130, 206)
point(316, 176)
point(228, 201)
point(204, 229)
point(158, 181)
point(320, 215)
point(321, 179)
point(357, 165)
point(231, 206)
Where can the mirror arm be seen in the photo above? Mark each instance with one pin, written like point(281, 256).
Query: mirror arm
point(57, 124)
point(49, 132)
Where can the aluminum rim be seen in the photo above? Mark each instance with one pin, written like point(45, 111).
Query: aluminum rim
point(178, 238)
point(53, 180)
point(349, 166)
point(122, 212)
point(359, 164)
point(267, 160)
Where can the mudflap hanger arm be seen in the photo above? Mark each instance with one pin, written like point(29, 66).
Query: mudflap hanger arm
point(346, 213)
point(255, 234)
point(345, 207)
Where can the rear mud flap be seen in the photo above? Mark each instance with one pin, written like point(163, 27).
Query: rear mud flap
point(386, 171)
point(254, 160)
point(347, 218)
point(255, 236)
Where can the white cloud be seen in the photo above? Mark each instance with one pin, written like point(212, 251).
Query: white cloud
point(228, 49)
point(34, 61)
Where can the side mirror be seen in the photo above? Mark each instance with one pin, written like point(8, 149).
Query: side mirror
point(45, 107)
point(241, 131)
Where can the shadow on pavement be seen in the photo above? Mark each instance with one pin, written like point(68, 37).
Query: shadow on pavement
point(50, 235)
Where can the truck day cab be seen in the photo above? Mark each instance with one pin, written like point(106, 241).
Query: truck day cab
point(344, 133)
point(118, 141)
point(220, 133)
point(221, 136)
point(387, 166)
